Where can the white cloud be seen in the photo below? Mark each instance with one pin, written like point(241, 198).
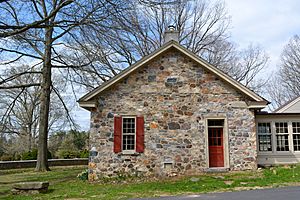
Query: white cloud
point(269, 23)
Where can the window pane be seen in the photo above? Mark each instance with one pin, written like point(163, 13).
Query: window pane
point(296, 142)
point(264, 137)
point(128, 133)
point(215, 122)
point(264, 128)
point(265, 142)
point(282, 142)
point(281, 127)
point(215, 137)
point(296, 127)
point(128, 125)
point(128, 142)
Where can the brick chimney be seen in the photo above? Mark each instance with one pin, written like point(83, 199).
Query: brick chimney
point(171, 34)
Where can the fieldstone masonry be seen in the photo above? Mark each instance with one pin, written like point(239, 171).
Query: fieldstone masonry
point(175, 95)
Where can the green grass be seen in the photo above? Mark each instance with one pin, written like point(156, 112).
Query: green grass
point(65, 185)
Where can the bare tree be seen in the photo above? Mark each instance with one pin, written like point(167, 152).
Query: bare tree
point(36, 39)
point(203, 28)
point(245, 65)
point(276, 92)
point(19, 114)
point(285, 84)
point(290, 66)
point(19, 107)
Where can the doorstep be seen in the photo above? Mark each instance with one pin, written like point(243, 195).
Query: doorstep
point(216, 170)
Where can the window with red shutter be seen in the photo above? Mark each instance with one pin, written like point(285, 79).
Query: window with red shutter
point(117, 134)
point(140, 146)
point(129, 134)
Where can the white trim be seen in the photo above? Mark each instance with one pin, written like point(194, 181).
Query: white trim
point(186, 52)
point(225, 140)
point(87, 104)
point(257, 106)
point(114, 80)
point(133, 151)
point(222, 75)
point(257, 138)
point(284, 108)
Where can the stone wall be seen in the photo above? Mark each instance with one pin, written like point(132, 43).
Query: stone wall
point(32, 163)
point(175, 95)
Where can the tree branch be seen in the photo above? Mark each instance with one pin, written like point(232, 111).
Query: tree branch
point(21, 29)
point(19, 86)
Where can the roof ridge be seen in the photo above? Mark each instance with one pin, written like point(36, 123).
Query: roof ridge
point(205, 64)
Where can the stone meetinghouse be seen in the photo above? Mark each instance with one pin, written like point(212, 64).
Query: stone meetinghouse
point(172, 113)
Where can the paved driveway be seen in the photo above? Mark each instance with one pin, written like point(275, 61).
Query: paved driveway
point(284, 193)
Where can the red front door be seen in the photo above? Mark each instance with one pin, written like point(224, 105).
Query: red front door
point(216, 153)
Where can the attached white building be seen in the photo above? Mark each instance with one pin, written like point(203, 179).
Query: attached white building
point(278, 135)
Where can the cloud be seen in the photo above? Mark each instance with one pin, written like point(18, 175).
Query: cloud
point(269, 23)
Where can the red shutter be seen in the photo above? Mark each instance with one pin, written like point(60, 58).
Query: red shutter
point(117, 134)
point(140, 134)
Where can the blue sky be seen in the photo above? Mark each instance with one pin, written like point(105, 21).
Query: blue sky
point(268, 23)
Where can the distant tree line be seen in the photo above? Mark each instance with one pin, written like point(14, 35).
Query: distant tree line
point(62, 144)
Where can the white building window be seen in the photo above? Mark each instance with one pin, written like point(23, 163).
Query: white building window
point(296, 135)
point(282, 136)
point(264, 137)
point(128, 133)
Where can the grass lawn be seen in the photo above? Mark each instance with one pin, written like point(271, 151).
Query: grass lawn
point(65, 185)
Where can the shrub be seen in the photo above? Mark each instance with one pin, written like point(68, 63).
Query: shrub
point(6, 157)
point(17, 156)
point(68, 154)
point(84, 153)
point(29, 155)
point(32, 155)
point(49, 154)
point(83, 175)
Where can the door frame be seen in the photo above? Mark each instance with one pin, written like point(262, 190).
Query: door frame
point(225, 140)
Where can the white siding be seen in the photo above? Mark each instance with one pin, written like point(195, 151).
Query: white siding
point(278, 159)
point(290, 107)
point(293, 109)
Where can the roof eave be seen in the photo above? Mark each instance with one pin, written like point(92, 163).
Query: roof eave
point(257, 104)
point(186, 52)
point(127, 71)
point(88, 105)
point(223, 75)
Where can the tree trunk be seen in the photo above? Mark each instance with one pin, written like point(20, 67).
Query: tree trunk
point(42, 160)
point(29, 141)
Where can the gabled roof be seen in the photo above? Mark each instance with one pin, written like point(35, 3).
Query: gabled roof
point(283, 108)
point(258, 102)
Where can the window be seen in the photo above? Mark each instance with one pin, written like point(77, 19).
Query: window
point(128, 133)
point(215, 132)
point(264, 137)
point(296, 135)
point(282, 136)
point(216, 122)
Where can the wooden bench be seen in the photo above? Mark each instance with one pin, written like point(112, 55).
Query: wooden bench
point(30, 187)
